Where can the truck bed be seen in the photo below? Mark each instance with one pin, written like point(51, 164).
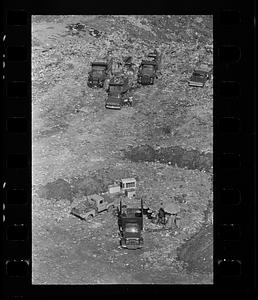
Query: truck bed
point(82, 208)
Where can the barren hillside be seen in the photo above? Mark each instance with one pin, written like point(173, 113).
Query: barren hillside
point(165, 141)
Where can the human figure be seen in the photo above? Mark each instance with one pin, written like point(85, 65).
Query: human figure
point(177, 221)
point(130, 101)
point(161, 215)
point(173, 221)
point(123, 210)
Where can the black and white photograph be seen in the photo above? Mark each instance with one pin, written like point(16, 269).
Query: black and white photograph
point(122, 149)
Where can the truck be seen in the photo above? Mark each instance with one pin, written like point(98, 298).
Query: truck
point(101, 70)
point(92, 205)
point(118, 92)
point(200, 75)
point(130, 223)
point(148, 69)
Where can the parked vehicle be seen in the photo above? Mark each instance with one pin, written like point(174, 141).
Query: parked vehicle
point(148, 69)
point(93, 205)
point(101, 70)
point(118, 92)
point(200, 76)
point(130, 223)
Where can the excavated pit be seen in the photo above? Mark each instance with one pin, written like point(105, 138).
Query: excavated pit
point(174, 156)
point(98, 182)
point(93, 183)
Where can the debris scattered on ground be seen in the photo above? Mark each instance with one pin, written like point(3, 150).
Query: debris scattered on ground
point(95, 33)
point(80, 148)
point(76, 27)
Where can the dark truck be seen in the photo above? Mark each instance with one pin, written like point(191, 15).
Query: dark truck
point(130, 223)
point(118, 92)
point(101, 70)
point(148, 69)
point(200, 76)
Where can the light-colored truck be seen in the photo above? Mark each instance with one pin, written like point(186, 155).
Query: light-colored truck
point(93, 205)
point(200, 75)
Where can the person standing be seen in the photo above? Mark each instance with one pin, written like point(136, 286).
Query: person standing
point(161, 215)
point(173, 221)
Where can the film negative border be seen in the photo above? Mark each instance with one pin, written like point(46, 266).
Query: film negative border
point(17, 151)
point(233, 148)
point(232, 128)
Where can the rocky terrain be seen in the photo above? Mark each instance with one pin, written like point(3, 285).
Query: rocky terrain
point(165, 141)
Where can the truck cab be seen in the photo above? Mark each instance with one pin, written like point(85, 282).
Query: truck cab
point(100, 71)
point(117, 92)
point(149, 68)
point(130, 222)
point(147, 72)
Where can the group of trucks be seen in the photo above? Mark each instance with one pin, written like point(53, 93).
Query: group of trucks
point(129, 212)
point(129, 219)
point(94, 204)
point(119, 86)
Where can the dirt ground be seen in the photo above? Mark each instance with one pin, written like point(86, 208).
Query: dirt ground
point(165, 141)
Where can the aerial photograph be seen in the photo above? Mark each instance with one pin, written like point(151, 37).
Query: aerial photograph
point(122, 149)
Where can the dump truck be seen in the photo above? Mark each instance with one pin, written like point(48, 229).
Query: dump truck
point(200, 75)
point(130, 223)
point(148, 69)
point(92, 205)
point(101, 70)
point(118, 92)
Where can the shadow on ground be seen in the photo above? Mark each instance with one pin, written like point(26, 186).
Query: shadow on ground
point(174, 156)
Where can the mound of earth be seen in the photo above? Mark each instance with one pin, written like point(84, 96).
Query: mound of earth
point(57, 190)
point(197, 252)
